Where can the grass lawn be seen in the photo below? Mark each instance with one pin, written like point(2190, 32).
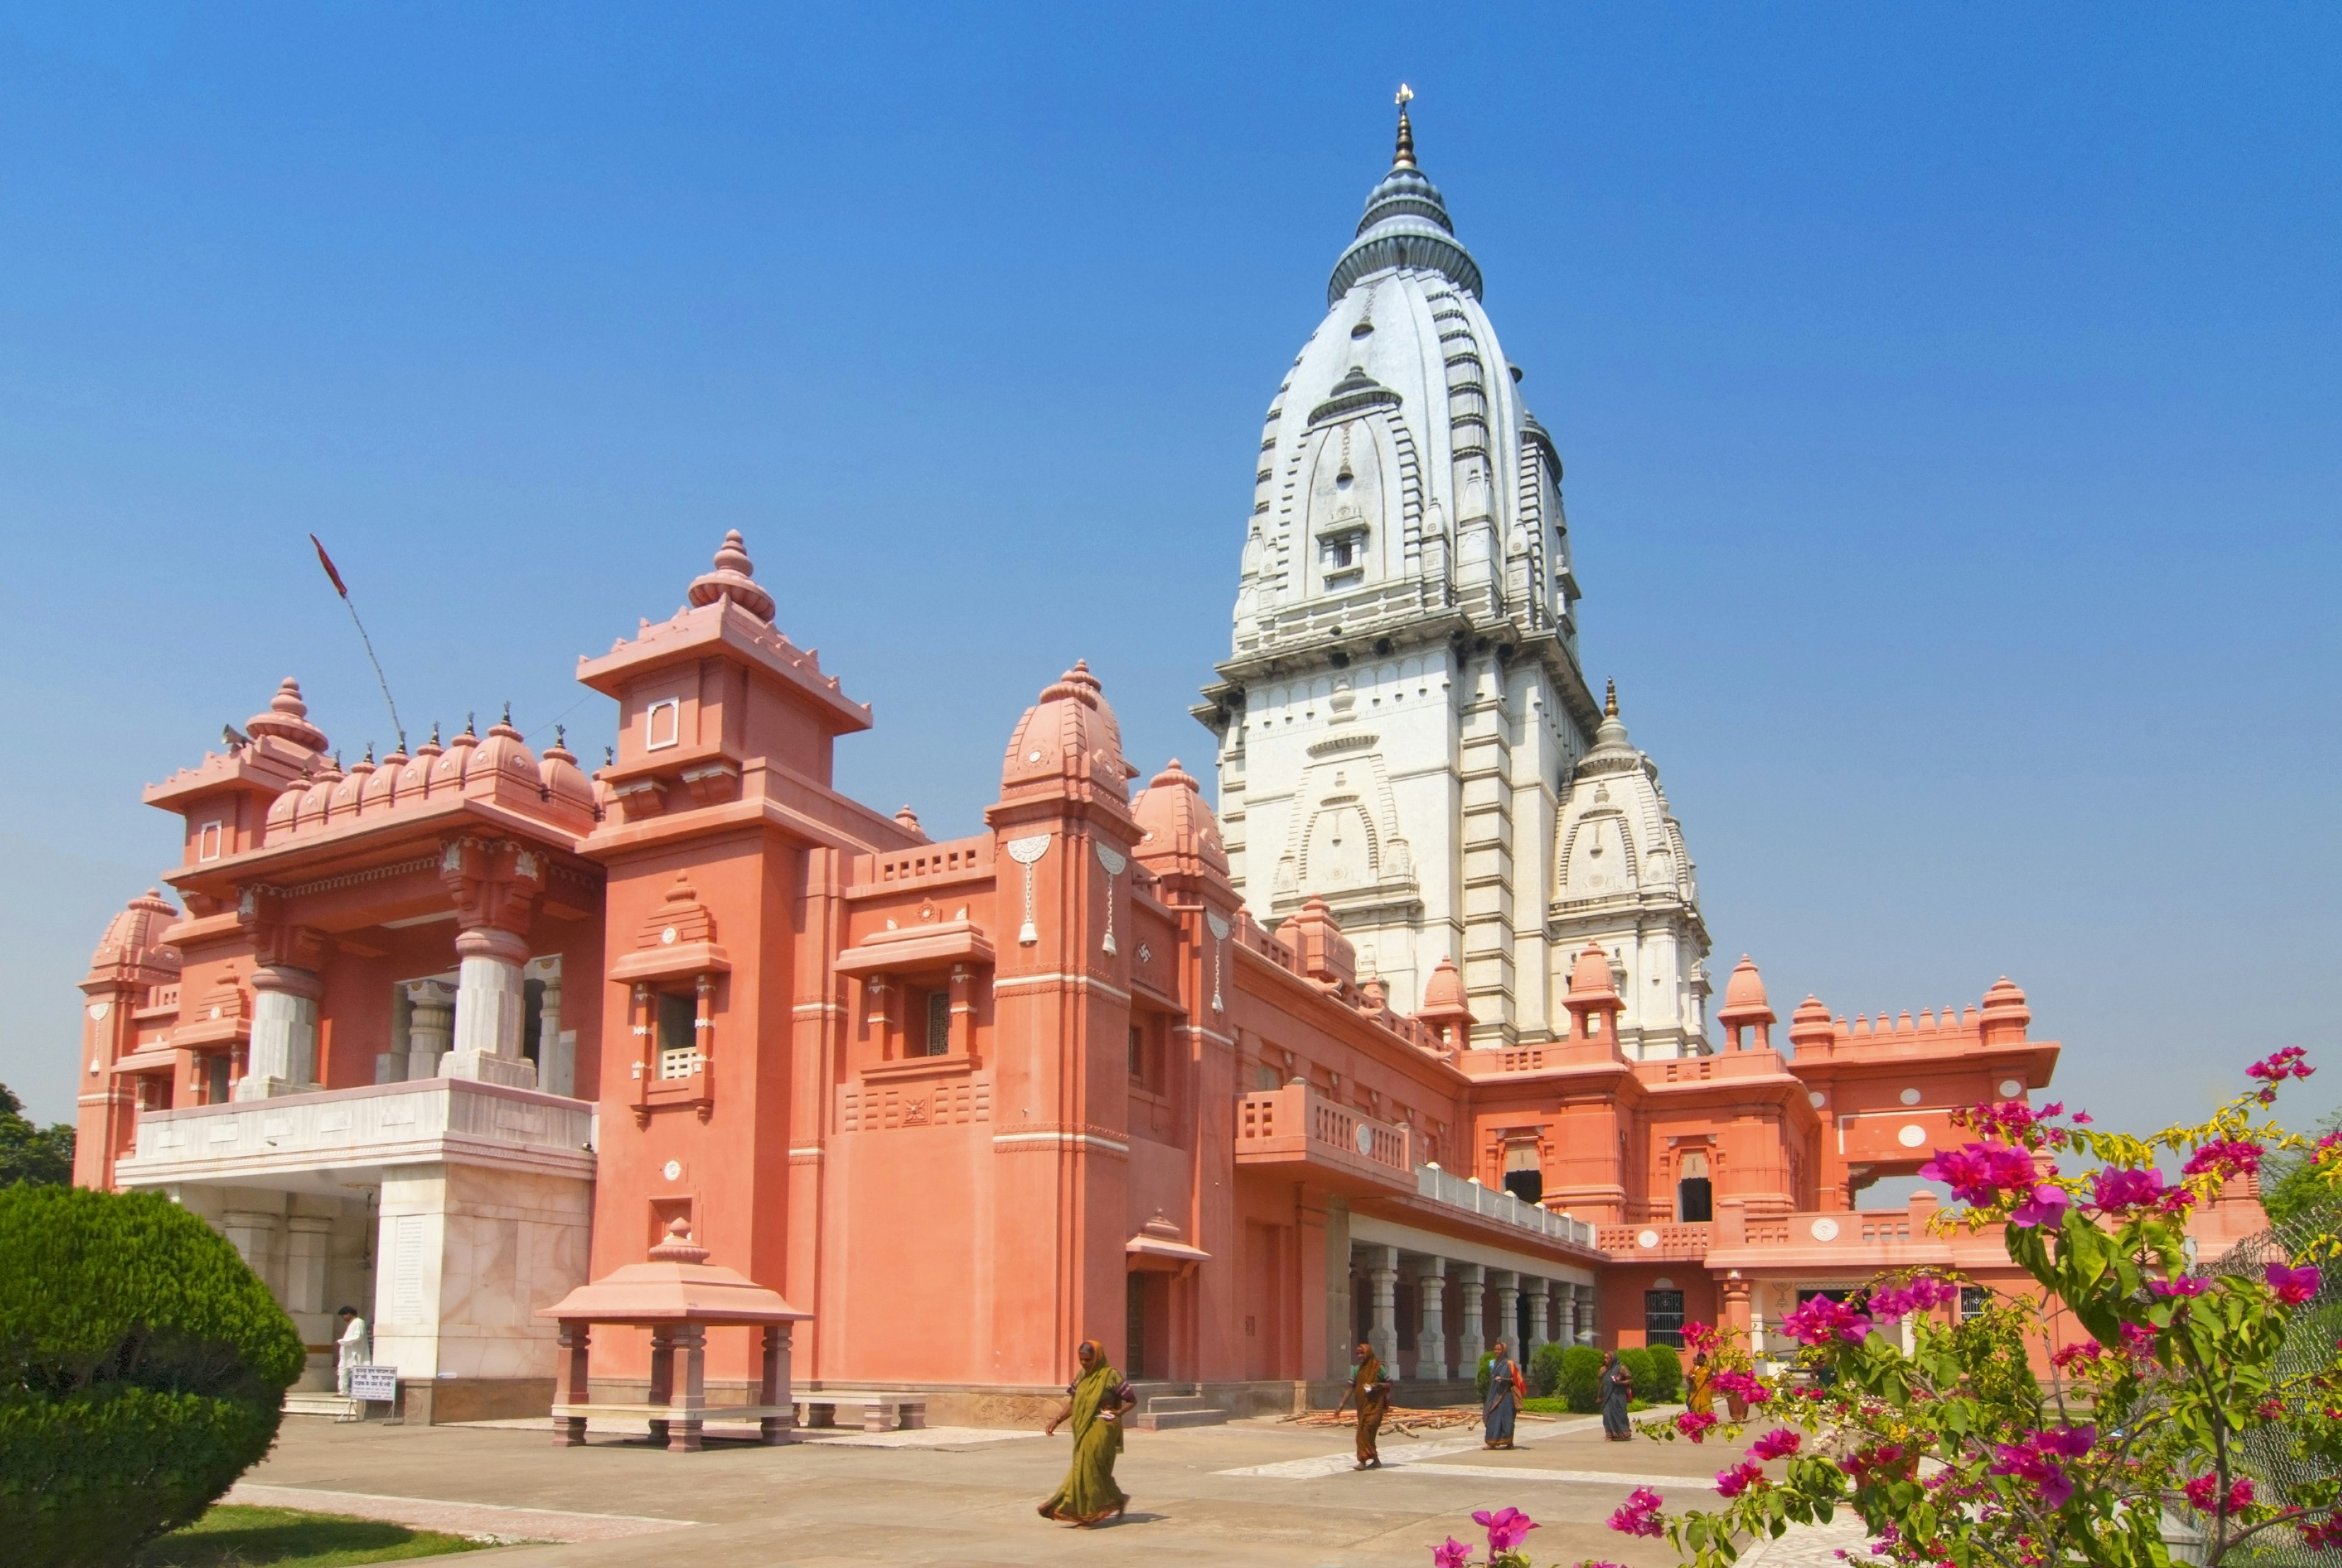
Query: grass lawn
point(1553, 1405)
point(232, 1536)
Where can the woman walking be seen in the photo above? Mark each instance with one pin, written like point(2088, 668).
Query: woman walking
point(1618, 1386)
point(1504, 1398)
point(1371, 1387)
point(1699, 1398)
point(1095, 1404)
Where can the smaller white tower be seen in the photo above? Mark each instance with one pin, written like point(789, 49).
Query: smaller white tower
point(1626, 883)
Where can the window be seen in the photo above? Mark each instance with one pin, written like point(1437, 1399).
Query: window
point(678, 1036)
point(1524, 1173)
point(1973, 1301)
point(208, 841)
point(1694, 1196)
point(663, 725)
point(938, 1040)
point(1342, 555)
point(1663, 1317)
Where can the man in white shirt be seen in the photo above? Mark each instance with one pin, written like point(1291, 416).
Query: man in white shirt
point(354, 1349)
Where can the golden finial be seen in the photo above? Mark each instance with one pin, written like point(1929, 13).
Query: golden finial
point(1610, 700)
point(1405, 157)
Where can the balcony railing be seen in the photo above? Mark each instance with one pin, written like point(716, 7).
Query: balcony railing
point(1296, 1126)
point(1652, 1242)
point(1496, 1204)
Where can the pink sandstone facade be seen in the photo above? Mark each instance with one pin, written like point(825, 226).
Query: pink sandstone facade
point(458, 1032)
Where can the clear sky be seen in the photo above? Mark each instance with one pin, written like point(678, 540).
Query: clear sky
point(1949, 398)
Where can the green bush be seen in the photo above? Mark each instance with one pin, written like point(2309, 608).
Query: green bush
point(1581, 1378)
point(1545, 1370)
point(1666, 1375)
point(1487, 1358)
point(1637, 1362)
point(143, 1368)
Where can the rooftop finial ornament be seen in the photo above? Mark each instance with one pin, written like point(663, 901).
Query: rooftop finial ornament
point(1610, 700)
point(1405, 157)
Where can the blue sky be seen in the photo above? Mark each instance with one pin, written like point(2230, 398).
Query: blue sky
point(1949, 398)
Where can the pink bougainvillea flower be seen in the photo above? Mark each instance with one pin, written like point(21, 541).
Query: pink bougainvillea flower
point(1450, 1554)
point(2030, 1462)
point(2044, 1206)
point(1695, 1425)
point(2202, 1491)
point(1505, 1528)
point(1640, 1513)
point(2289, 1063)
point(1822, 1320)
point(2325, 1535)
point(2084, 1353)
point(1732, 1483)
point(2067, 1442)
point(1741, 1385)
point(2138, 1340)
point(2293, 1286)
point(1778, 1443)
point(1980, 1172)
point(2116, 1190)
point(2184, 1286)
point(2224, 1157)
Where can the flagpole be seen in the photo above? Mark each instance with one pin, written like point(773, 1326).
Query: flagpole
point(351, 605)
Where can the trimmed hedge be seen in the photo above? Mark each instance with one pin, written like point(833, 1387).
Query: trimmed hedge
point(1637, 1362)
point(1487, 1359)
point(143, 1368)
point(1581, 1378)
point(1545, 1370)
point(1666, 1375)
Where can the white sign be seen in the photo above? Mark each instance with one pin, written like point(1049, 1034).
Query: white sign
point(373, 1382)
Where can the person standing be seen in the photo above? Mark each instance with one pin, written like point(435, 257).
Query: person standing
point(1506, 1389)
point(353, 1349)
point(1370, 1386)
point(1095, 1404)
point(1699, 1398)
point(1617, 1387)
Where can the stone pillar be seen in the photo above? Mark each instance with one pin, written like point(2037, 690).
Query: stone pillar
point(1431, 1326)
point(1536, 1291)
point(283, 1059)
point(1508, 1309)
point(1470, 1278)
point(573, 1375)
point(430, 1025)
point(662, 1380)
point(252, 1233)
point(1588, 1324)
point(691, 1400)
point(1382, 1281)
point(308, 1246)
point(557, 1052)
point(489, 1006)
point(1565, 1296)
point(772, 1386)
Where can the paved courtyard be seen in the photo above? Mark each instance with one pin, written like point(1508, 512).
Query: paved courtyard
point(1249, 1493)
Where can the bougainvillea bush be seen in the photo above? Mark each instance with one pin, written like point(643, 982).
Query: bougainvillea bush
point(2197, 1417)
point(143, 1368)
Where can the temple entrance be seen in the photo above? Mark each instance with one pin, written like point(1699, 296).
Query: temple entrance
point(1524, 1173)
point(1695, 1197)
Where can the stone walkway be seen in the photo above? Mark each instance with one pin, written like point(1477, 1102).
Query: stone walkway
point(478, 1521)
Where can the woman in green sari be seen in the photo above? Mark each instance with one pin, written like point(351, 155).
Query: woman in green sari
point(1095, 1404)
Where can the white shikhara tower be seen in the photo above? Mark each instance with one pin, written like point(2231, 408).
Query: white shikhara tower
point(1405, 729)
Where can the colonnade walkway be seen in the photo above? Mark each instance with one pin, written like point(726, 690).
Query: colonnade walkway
point(1254, 1492)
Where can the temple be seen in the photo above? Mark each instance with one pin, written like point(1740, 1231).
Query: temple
point(1407, 1044)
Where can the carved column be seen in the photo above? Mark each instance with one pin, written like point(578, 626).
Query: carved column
point(1536, 1291)
point(1470, 1341)
point(772, 1386)
point(573, 1370)
point(556, 1058)
point(1431, 1326)
point(252, 1233)
point(1566, 1300)
point(495, 885)
point(1508, 1309)
point(1381, 1281)
point(308, 1245)
point(283, 1059)
point(690, 1401)
point(430, 1026)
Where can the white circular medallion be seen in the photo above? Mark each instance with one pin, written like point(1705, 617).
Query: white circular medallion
point(100, 1009)
point(2010, 1088)
point(1825, 1230)
point(1909, 1096)
point(1912, 1136)
point(1032, 756)
point(1818, 1099)
point(671, 1170)
point(1647, 1239)
point(1365, 1139)
point(667, 936)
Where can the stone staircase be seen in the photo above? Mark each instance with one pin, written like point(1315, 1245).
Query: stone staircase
point(1170, 1412)
point(315, 1402)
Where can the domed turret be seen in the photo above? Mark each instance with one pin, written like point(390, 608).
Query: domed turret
point(1177, 834)
point(503, 758)
point(382, 788)
point(1810, 1024)
point(2005, 1013)
point(730, 580)
point(562, 778)
point(1069, 739)
point(1406, 224)
point(134, 936)
point(1592, 999)
point(1444, 1011)
point(1744, 1007)
point(288, 719)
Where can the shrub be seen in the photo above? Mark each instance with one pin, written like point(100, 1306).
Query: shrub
point(1545, 1370)
point(1637, 1362)
point(1581, 1378)
point(1487, 1358)
point(30, 1154)
point(1666, 1375)
point(143, 1368)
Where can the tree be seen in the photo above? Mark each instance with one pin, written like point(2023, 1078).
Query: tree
point(143, 1368)
point(29, 1154)
point(2207, 1398)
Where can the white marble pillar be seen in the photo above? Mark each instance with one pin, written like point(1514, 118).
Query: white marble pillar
point(252, 1233)
point(283, 1059)
point(1470, 1342)
point(1536, 1290)
point(1508, 1308)
point(1566, 1300)
point(308, 1249)
point(1589, 1328)
point(1382, 1283)
point(557, 1052)
point(430, 1025)
point(1431, 1323)
point(489, 1008)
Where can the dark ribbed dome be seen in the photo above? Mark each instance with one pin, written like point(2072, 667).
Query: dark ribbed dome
point(1406, 224)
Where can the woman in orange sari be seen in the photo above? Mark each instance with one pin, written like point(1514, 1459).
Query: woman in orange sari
point(1095, 1404)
